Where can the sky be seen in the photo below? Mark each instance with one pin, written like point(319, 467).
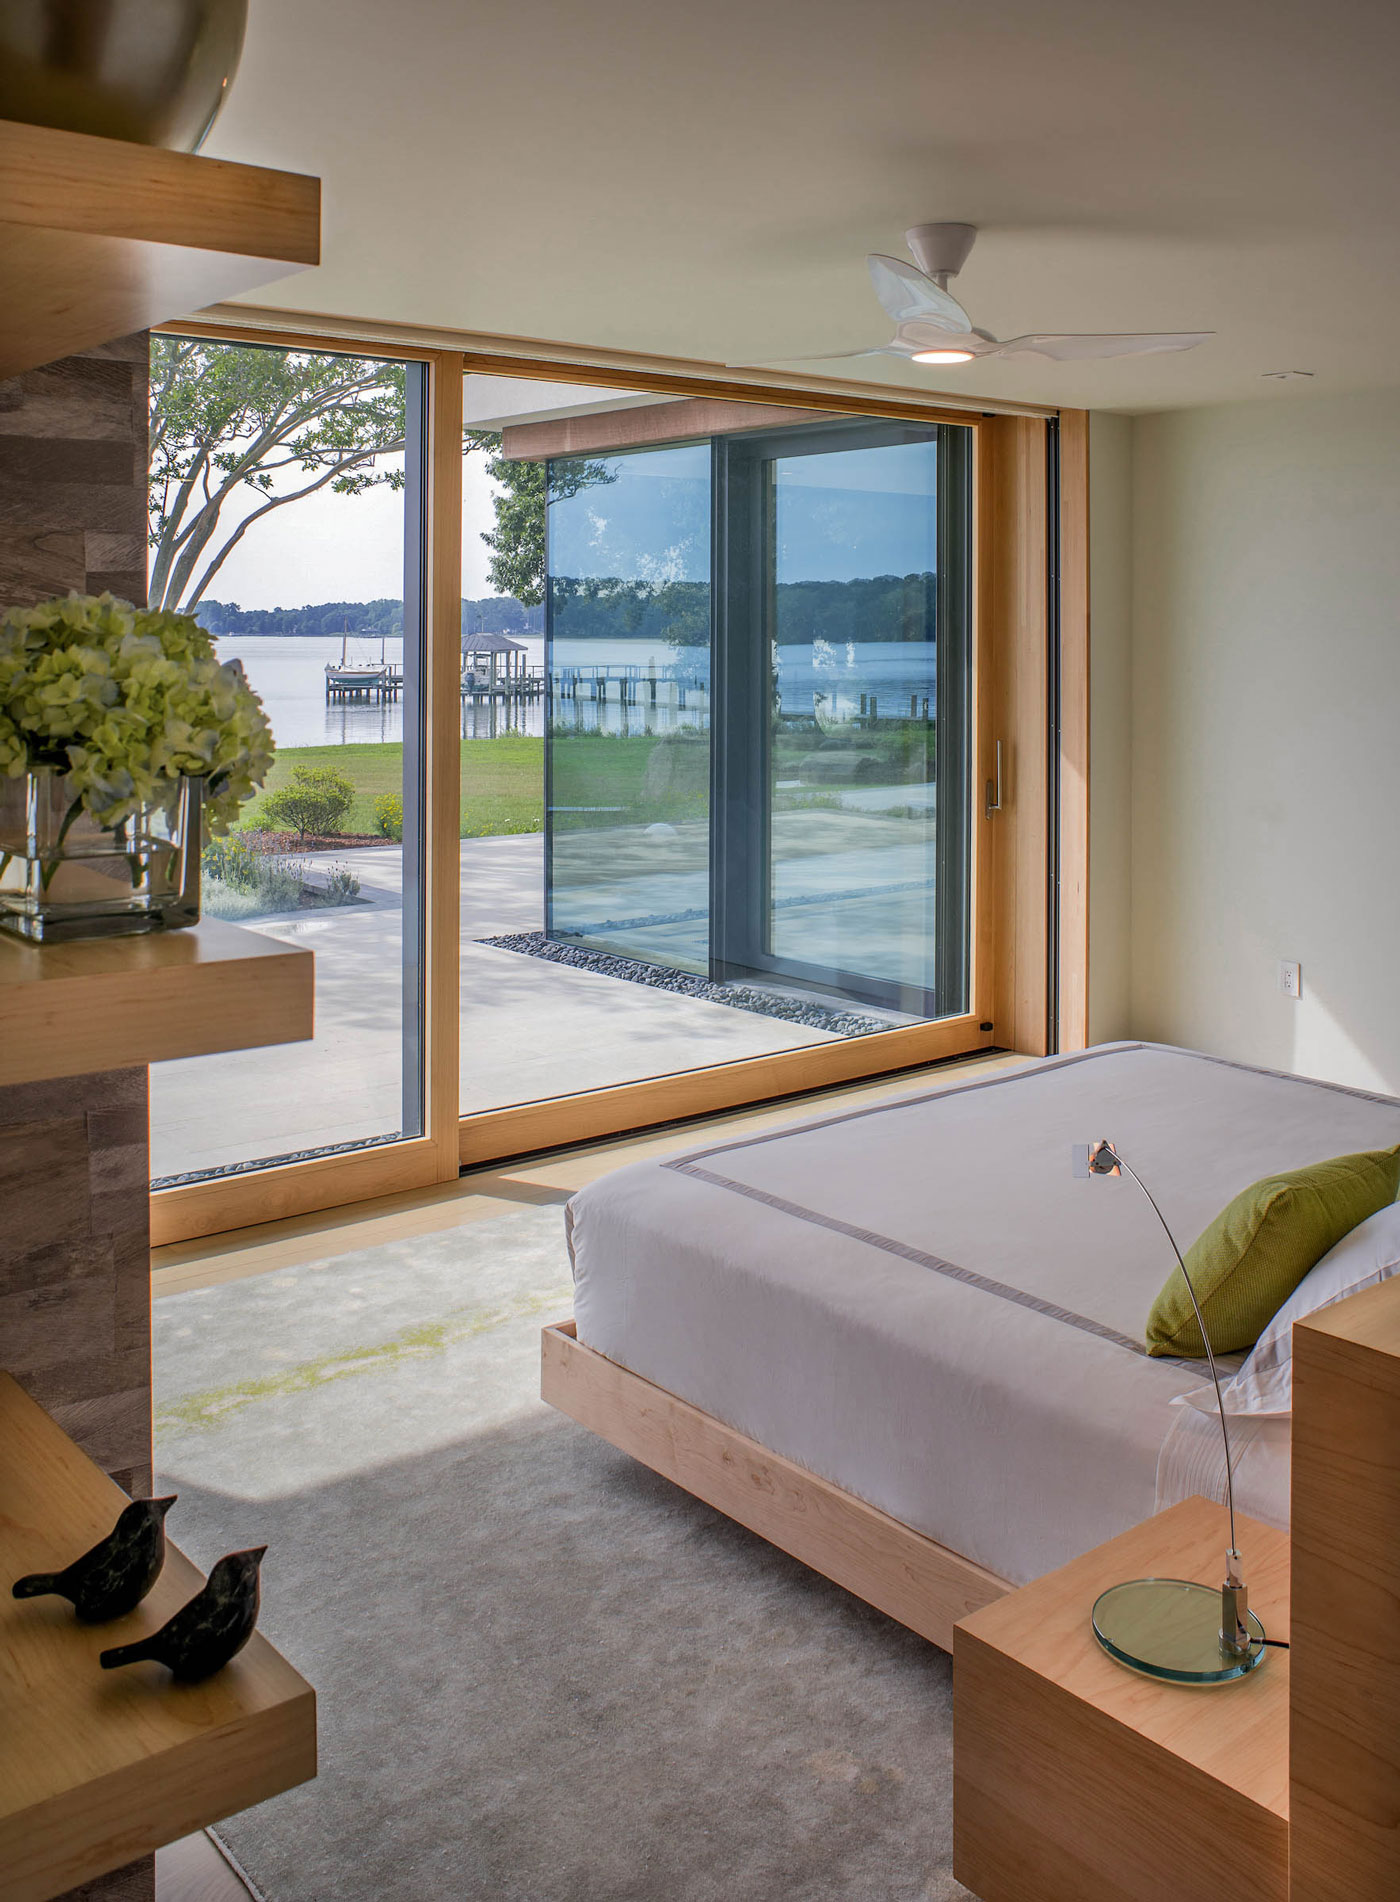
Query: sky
point(864, 512)
point(346, 548)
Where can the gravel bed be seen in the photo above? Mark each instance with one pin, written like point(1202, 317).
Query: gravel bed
point(790, 1007)
point(222, 1169)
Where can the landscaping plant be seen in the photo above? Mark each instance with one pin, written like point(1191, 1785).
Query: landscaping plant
point(313, 803)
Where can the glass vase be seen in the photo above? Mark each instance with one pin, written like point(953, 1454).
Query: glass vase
point(62, 875)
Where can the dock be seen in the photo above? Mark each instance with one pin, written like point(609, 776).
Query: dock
point(368, 685)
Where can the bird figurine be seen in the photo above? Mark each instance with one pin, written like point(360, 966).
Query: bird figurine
point(204, 1634)
point(116, 1574)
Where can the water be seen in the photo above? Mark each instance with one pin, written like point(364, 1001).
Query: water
point(289, 671)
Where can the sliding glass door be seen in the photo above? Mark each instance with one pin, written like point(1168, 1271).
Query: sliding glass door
point(843, 694)
point(759, 663)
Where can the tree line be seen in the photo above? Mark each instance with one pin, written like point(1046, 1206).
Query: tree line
point(494, 614)
point(869, 608)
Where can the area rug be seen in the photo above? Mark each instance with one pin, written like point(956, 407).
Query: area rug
point(543, 1673)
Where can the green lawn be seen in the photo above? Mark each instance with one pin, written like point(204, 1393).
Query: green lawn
point(599, 780)
point(502, 781)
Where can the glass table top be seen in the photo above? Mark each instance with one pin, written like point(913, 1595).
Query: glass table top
point(1169, 1628)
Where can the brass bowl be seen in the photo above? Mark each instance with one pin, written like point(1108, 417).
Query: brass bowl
point(152, 71)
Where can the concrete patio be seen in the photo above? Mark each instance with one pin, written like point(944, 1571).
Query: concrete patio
point(530, 1028)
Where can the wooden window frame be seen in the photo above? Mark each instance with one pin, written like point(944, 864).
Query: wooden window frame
point(1032, 701)
point(322, 1182)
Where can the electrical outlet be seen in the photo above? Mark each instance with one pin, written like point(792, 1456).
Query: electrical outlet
point(1290, 979)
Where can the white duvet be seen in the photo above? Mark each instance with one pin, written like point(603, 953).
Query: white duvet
point(922, 1303)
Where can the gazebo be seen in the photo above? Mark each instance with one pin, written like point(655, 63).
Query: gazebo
point(489, 648)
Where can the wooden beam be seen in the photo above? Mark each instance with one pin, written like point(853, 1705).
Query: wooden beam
point(1075, 636)
point(558, 1122)
point(443, 762)
point(546, 360)
point(1014, 578)
point(655, 423)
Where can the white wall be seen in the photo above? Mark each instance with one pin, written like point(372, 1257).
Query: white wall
point(1265, 738)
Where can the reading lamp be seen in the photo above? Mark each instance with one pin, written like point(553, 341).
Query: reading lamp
point(1172, 1628)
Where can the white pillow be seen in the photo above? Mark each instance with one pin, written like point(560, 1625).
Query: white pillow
point(1369, 1254)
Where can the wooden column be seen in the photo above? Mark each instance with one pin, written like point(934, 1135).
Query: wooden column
point(1344, 1722)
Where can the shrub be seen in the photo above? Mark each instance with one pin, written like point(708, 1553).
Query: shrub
point(342, 887)
point(240, 882)
point(388, 815)
point(314, 801)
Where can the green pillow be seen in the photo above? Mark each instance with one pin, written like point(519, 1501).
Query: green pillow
point(1257, 1250)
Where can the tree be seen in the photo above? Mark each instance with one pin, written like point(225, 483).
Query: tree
point(236, 422)
point(315, 802)
point(524, 491)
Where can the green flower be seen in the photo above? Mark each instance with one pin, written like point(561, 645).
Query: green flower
point(127, 701)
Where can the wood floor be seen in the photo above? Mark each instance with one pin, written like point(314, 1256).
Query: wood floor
point(194, 1870)
point(498, 1190)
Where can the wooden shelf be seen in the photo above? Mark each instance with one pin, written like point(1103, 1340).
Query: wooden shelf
point(113, 1003)
point(98, 1768)
point(100, 237)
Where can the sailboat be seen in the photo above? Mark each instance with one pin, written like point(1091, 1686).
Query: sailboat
point(347, 676)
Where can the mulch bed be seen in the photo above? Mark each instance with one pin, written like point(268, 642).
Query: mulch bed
point(258, 840)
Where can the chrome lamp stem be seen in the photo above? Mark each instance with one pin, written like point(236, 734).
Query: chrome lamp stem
point(1104, 1159)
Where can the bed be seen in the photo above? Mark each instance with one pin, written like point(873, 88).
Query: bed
point(905, 1342)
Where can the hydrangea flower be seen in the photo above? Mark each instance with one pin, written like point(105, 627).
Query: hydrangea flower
point(126, 701)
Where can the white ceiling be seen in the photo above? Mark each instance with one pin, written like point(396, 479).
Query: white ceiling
point(702, 178)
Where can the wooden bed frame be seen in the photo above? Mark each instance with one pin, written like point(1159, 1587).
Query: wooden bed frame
point(914, 1580)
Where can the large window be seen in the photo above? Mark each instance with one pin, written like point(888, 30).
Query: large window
point(759, 664)
point(633, 780)
point(305, 561)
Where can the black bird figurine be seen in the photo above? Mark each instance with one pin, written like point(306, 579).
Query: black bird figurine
point(212, 1628)
point(116, 1574)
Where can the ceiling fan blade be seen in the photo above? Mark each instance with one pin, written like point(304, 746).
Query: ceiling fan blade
point(907, 294)
point(1067, 349)
point(818, 356)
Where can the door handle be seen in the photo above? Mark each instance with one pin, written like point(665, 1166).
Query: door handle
point(994, 786)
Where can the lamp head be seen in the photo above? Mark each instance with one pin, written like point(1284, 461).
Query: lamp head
point(1096, 1159)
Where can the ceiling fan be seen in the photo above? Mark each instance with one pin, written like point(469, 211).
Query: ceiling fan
point(931, 326)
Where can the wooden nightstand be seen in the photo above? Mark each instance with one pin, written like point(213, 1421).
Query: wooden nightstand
point(1075, 1780)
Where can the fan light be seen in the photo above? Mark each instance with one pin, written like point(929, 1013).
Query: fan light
point(943, 356)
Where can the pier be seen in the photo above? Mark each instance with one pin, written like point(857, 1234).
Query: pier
point(495, 668)
point(630, 686)
point(368, 685)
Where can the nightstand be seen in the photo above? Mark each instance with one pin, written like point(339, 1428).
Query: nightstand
point(1076, 1780)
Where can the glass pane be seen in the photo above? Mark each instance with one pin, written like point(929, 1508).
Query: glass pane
point(311, 578)
point(628, 669)
point(739, 721)
point(853, 802)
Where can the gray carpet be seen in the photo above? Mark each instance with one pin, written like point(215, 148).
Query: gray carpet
point(544, 1674)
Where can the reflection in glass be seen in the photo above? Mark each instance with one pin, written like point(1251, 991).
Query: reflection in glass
point(628, 662)
point(853, 819)
point(763, 779)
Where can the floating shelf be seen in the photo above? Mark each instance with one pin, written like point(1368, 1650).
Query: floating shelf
point(99, 1768)
point(101, 237)
point(114, 1003)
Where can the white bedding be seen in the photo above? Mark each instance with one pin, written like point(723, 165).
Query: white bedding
point(922, 1303)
